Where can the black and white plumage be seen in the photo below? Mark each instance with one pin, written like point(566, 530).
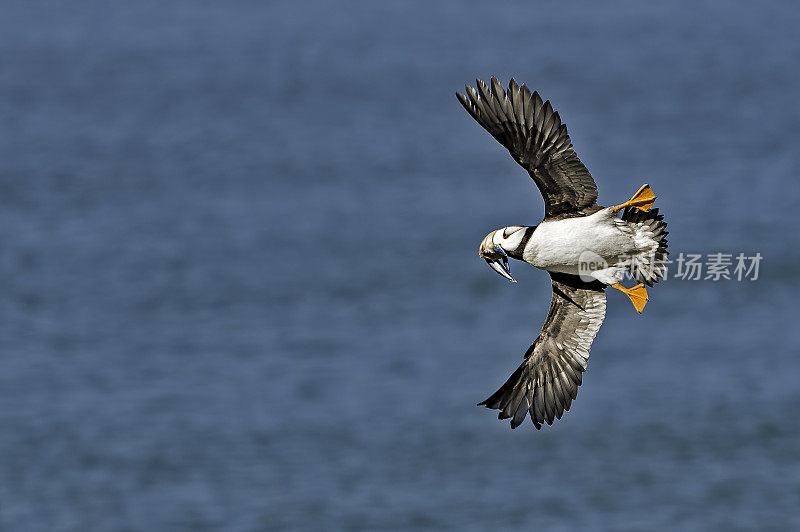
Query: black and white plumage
point(574, 227)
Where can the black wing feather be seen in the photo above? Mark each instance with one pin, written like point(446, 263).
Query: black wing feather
point(534, 135)
point(547, 380)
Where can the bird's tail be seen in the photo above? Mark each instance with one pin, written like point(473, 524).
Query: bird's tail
point(649, 267)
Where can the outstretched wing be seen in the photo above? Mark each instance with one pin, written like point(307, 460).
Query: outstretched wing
point(538, 141)
point(548, 379)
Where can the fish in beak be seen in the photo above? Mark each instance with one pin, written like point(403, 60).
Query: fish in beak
point(497, 259)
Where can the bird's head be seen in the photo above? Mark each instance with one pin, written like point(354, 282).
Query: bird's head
point(503, 243)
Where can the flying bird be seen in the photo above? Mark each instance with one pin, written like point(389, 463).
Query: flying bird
point(585, 247)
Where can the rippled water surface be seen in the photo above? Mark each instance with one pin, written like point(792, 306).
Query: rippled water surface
point(240, 288)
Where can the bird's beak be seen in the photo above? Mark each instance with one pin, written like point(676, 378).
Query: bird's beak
point(498, 261)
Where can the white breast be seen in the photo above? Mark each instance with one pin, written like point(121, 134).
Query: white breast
point(557, 245)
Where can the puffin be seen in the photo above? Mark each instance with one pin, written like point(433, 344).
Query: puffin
point(585, 248)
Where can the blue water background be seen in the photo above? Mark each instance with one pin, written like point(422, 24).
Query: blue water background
point(239, 281)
